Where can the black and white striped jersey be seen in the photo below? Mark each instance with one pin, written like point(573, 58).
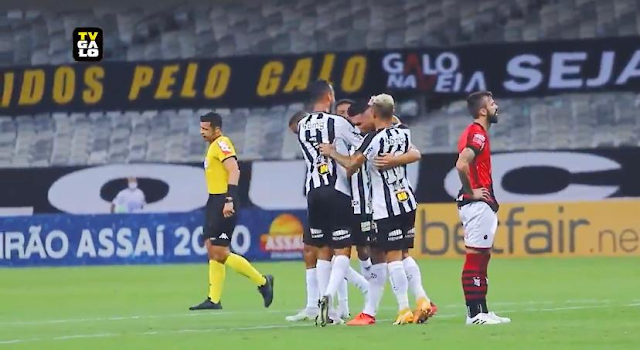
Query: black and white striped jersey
point(317, 128)
point(391, 191)
point(361, 189)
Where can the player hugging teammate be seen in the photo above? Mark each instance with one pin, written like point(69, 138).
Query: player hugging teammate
point(363, 162)
point(335, 153)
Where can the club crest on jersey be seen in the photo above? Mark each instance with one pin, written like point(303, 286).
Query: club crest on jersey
point(402, 196)
point(323, 169)
point(479, 139)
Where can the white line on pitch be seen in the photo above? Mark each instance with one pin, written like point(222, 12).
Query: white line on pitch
point(263, 327)
point(230, 313)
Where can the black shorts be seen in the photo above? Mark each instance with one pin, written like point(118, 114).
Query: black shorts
point(329, 212)
point(361, 229)
point(218, 229)
point(394, 233)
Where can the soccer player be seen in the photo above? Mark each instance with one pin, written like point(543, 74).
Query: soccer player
point(346, 108)
point(310, 256)
point(328, 192)
point(222, 174)
point(477, 206)
point(393, 200)
point(342, 107)
point(425, 307)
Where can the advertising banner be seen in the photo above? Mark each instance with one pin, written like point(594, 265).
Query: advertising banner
point(68, 240)
point(569, 175)
point(560, 229)
point(507, 69)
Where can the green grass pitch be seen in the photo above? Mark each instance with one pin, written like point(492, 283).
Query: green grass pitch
point(554, 303)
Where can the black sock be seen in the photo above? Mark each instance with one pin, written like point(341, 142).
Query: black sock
point(483, 305)
point(474, 307)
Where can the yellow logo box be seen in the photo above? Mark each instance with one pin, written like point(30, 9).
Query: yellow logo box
point(604, 228)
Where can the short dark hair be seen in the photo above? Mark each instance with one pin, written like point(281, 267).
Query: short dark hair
point(357, 107)
point(212, 118)
point(297, 117)
point(475, 102)
point(317, 90)
point(343, 101)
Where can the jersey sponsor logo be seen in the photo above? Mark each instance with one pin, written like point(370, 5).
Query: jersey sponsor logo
point(313, 125)
point(224, 147)
point(394, 235)
point(315, 233)
point(365, 226)
point(340, 235)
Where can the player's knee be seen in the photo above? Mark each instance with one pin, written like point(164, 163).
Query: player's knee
point(219, 254)
point(394, 255)
point(343, 251)
point(377, 256)
point(325, 253)
point(310, 255)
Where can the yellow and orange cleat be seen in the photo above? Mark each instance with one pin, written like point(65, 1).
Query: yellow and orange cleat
point(404, 317)
point(362, 320)
point(424, 310)
point(434, 310)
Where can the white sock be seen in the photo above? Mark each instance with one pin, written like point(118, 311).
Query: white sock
point(338, 273)
point(357, 280)
point(324, 273)
point(415, 278)
point(376, 288)
point(399, 284)
point(343, 298)
point(365, 266)
point(312, 289)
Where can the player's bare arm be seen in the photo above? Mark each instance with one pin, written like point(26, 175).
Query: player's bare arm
point(387, 161)
point(350, 163)
point(464, 159)
point(231, 165)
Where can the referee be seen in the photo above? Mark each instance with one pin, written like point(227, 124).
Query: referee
point(222, 174)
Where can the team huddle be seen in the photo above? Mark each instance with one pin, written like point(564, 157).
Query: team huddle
point(358, 194)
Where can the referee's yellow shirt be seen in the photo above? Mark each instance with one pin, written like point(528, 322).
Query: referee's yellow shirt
point(215, 173)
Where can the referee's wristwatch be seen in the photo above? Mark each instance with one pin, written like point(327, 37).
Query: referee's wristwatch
point(228, 200)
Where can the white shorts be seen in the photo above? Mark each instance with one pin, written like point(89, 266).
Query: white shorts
point(480, 223)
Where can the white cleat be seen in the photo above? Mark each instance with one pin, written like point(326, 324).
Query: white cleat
point(501, 319)
point(303, 315)
point(481, 319)
point(344, 314)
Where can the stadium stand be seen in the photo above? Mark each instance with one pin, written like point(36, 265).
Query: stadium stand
point(173, 136)
point(245, 27)
point(227, 28)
